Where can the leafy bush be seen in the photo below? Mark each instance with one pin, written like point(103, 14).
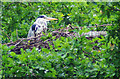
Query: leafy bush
point(72, 59)
point(69, 57)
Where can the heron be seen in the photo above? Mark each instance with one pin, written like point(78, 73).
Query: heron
point(39, 26)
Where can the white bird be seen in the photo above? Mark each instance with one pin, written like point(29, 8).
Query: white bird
point(39, 26)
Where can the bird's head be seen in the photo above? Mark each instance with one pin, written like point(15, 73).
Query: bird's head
point(45, 18)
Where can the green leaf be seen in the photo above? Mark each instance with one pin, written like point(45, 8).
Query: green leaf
point(11, 47)
point(45, 50)
point(12, 53)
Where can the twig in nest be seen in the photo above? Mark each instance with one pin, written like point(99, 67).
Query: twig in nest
point(18, 42)
point(101, 25)
point(80, 27)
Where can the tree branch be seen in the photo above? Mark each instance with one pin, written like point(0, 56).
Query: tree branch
point(5, 34)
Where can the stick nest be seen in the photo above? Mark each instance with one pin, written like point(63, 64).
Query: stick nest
point(29, 43)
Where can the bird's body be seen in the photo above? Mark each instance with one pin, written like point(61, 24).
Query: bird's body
point(39, 26)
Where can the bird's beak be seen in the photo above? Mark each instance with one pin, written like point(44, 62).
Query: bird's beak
point(51, 18)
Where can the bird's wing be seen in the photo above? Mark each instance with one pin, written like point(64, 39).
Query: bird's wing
point(30, 33)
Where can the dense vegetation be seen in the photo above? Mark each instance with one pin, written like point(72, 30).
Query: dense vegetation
point(74, 57)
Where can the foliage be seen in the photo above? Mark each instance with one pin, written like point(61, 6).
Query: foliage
point(69, 57)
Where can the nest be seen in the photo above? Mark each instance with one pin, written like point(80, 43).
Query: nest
point(29, 43)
